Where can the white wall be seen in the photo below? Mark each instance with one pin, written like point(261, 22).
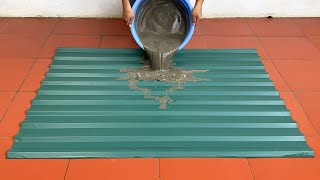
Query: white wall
point(112, 8)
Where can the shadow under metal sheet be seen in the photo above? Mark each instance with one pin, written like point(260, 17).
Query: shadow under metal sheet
point(83, 111)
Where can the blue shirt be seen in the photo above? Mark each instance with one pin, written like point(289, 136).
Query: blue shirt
point(132, 2)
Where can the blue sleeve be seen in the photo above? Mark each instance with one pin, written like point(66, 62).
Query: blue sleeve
point(132, 2)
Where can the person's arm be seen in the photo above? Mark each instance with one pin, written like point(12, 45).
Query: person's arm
point(127, 12)
point(197, 12)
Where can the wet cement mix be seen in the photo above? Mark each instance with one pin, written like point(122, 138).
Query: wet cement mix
point(162, 27)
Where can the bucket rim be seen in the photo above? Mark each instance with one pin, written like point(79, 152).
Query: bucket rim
point(191, 28)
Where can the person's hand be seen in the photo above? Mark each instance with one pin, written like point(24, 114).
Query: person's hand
point(196, 14)
point(128, 16)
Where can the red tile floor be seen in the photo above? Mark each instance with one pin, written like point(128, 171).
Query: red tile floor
point(289, 48)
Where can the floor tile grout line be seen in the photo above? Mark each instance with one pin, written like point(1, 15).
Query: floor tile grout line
point(305, 35)
point(250, 169)
point(96, 35)
point(253, 35)
point(54, 27)
point(159, 169)
point(318, 48)
point(28, 34)
point(115, 35)
point(251, 30)
point(310, 42)
point(101, 36)
point(18, 90)
point(8, 105)
point(296, 99)
point(103, 26)
point(15, 95)
point(25, 77)
point(47, 39)
point(203, 35)
point(6, 137)
point(272, 62)
point(290, 90)
point(297, 27)
point(313, 125)
point(76, 34)
point(281, 36)
point(33, 18)
point(205, 39)
point(37, 57)
point(65, 174)
point(257, 38)
point(307, 60)
point(24, 34)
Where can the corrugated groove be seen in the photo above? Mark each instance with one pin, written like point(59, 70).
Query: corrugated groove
point(82, 110)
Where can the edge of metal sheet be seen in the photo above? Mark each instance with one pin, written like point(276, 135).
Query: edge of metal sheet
point(288, 140)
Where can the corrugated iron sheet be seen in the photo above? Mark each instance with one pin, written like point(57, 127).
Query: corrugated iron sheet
point(82, 110)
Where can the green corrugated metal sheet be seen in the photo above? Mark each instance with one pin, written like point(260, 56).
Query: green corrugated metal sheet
point(82, 110)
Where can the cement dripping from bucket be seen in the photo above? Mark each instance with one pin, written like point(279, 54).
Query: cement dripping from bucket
point(162, 27)
point(161, 61)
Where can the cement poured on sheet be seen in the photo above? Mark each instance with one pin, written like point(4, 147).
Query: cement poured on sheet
point(174, 76)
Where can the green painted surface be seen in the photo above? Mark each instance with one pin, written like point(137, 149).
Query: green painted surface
point(82, 111)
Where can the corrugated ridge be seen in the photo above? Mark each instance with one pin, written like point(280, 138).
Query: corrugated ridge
point(82, 110)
